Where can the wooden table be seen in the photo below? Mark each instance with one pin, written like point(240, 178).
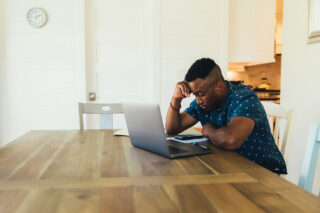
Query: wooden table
point(94, 171)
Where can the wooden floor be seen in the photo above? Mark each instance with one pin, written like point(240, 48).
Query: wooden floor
point(93, 171)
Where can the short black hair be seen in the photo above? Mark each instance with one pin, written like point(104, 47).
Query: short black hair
point(200, 69)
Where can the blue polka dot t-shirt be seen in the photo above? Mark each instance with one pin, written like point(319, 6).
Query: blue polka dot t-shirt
point(243, 102)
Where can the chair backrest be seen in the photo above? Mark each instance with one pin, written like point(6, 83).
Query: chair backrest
point(276, 113)
point(310, 158)
point(106, 112)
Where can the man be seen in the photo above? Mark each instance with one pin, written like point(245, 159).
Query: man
point(232, 117)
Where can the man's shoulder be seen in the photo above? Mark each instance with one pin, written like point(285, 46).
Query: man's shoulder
point(241, 92)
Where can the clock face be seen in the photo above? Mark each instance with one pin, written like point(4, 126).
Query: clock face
point(37, 17)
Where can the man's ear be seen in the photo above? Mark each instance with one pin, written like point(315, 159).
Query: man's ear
point(219, 87)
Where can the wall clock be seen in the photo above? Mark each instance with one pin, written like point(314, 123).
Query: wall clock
point(37, 17)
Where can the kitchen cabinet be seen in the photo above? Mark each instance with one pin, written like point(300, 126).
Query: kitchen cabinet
point(252, 30)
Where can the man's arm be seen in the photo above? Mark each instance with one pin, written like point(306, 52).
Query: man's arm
point(233, 135)
point(177, 122)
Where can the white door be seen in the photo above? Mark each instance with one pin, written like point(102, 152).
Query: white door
point(120, 46)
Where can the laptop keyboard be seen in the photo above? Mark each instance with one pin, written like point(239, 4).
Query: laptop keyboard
point(174, 150)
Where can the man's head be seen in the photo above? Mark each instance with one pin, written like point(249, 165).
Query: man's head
point(206, 82)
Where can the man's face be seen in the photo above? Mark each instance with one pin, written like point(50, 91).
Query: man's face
point(207, 94)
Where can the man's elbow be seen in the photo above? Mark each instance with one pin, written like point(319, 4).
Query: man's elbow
point(232, 143)
point(171, 131)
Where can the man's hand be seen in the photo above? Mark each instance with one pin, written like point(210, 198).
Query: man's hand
point(207, 129)
point(232, 136)
point(177, 122)
point(181, 90)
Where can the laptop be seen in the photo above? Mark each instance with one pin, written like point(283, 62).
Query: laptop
point(146, 131)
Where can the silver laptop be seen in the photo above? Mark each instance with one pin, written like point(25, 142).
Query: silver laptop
point(147, 132)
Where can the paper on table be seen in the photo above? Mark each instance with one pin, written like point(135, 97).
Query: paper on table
point(121, 132)
point(197, 140)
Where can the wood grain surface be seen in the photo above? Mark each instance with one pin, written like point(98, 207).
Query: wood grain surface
point(94, 171)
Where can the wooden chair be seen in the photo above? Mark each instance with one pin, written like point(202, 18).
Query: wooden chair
point(106, 112)
point(276, 113)
point(310, 158)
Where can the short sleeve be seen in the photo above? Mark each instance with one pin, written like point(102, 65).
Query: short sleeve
point(193, 110)
point(249, 107)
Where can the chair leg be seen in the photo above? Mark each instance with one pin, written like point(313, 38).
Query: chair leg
point(310, 159)
point(106, 121)
point(81, 116)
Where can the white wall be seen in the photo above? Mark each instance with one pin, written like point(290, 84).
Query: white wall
point(43, 72)
point(300, 79)
point(39, 68)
